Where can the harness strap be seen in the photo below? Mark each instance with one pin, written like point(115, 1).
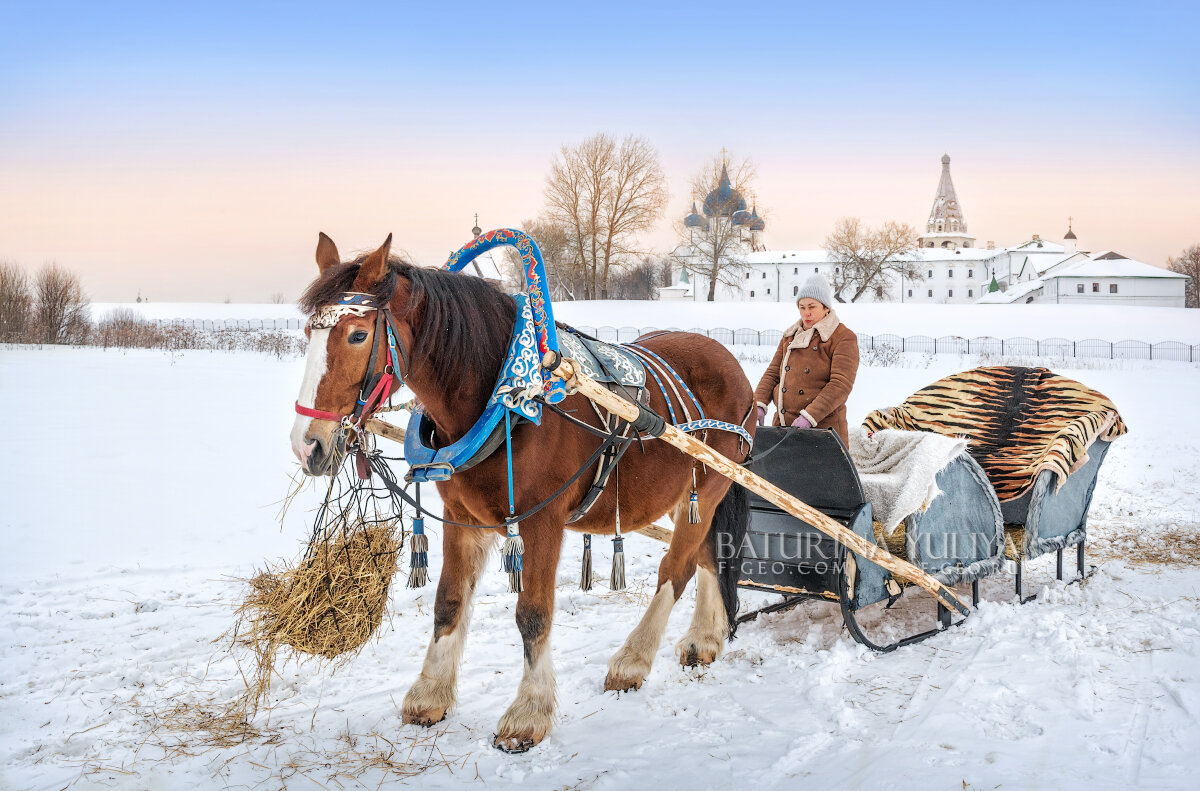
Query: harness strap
point(604, 470)
point(687, 415)
point(677, 378)
point(380, 467)
point(663, 389)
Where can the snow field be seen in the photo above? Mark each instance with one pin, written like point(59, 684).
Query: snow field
point(128, 514)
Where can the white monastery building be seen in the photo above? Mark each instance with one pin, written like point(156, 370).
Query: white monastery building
point(956, 270)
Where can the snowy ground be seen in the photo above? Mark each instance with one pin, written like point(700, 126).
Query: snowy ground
point(130, 506)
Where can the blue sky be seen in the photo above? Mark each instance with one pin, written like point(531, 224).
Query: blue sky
point(127, 126)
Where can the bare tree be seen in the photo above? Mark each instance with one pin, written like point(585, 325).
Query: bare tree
point(717, 247)
point(866, 258)
point(1189, 264)
point(603, 194)
point(15, 303)
point(60, 309)
point(277, 298)
point(640, 281)
point(563, 268)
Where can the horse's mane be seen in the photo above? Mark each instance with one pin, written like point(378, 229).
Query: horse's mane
point(462, 324)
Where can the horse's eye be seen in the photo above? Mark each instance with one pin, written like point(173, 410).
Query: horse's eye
point(358, 336)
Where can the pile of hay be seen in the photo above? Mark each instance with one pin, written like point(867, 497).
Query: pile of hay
point(332, 602)
point(327, 607)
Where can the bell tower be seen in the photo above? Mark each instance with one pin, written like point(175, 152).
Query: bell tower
point(946, 226)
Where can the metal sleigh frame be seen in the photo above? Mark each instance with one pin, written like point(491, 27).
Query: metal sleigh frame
point(816, 466)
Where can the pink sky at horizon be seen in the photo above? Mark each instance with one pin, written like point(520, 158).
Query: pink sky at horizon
point(242, 230)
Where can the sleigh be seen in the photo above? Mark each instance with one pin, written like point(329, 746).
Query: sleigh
point(1036, 444)
point(958, 539)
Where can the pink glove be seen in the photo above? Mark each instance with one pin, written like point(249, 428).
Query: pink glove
point(801, 422)
point(762, 416)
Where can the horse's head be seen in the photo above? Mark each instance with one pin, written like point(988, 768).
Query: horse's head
point(351, 366)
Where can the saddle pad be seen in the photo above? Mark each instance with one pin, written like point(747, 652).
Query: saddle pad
point(601, 361)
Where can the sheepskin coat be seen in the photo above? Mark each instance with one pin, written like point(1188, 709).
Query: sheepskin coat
point(812, 374)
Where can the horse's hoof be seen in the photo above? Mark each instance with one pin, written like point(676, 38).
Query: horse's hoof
point(698, 650)
point(513, 745)
point(626, 671)
point(423, 718)
point(618, 684)
point(691, 656)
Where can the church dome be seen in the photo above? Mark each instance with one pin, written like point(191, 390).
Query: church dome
point(755, 222)
point(724, 200)
point(694, 220)
point(1070, 233)
point(740, 217)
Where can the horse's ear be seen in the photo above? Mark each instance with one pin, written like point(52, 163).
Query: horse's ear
point(374, 268)
point(327, 253)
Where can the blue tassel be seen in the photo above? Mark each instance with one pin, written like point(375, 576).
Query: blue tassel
point(418, 556)
point(512, 561)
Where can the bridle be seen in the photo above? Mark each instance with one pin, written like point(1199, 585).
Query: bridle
point(376, 385)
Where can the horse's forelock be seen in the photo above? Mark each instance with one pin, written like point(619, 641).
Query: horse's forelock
point(461, 324)
point(338, 279)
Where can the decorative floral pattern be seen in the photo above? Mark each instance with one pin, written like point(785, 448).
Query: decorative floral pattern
point(535, 281)
point(521, 375)
point(721, 425)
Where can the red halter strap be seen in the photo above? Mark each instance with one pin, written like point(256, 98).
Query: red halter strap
point(368, 403)
point(317, 413)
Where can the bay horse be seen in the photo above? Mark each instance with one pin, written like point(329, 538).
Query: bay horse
point(453, 331)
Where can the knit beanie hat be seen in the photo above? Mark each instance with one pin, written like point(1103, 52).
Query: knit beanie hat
point(816, 287)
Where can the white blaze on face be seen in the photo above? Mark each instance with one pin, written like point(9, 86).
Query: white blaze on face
point(314, 370)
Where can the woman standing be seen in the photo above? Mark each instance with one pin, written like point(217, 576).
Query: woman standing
point(813, 370)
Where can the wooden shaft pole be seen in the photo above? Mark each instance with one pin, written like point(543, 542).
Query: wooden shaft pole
point(768, 491)
point(386, 430)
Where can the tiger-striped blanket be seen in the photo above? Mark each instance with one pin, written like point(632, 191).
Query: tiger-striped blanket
point(1018, 422)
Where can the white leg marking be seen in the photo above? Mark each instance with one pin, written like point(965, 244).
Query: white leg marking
point(315, 365)
point(706, 635)
point(436, 688)
point(531, 715)
point(630, 666)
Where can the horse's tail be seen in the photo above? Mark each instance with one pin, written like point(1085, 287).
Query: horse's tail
point(729, 525)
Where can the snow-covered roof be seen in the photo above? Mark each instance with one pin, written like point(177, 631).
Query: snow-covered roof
point(1039, 246)
point(789, 257)
point(1113, 267)
point(1017, 292)
point(947, 235)
point(931, 254)
point(1044, 263)
point(923, 254)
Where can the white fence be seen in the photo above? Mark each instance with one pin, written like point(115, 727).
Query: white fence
point(923, 344)
point(948, 344)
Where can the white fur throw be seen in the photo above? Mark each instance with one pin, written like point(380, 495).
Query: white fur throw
point(899, 469)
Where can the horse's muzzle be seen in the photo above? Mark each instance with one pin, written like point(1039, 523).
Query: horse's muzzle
point(318, 458)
